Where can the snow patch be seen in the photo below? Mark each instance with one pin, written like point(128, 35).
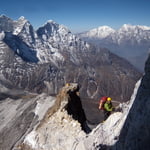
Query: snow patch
point(144, 27)
point(17, 31)
point(43, 106)
point(112, 120)
point(2, 35)
point(22, 18)
point(30, 139)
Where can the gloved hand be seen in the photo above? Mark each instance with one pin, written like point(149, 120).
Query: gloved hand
point(113, 109)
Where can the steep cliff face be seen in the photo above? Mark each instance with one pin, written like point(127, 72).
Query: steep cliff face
point(129, 129)
point(135, 133)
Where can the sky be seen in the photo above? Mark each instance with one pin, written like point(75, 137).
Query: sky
point(79, 15)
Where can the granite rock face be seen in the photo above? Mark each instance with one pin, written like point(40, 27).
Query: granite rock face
point(135, 133)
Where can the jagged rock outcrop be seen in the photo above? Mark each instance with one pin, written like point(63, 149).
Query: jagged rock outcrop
point(59, 130)
point(42, 122)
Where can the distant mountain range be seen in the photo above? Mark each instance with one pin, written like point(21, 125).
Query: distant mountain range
point(43, 60)
point(130, 42)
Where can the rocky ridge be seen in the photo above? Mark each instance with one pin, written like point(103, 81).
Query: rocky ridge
point(43, 122)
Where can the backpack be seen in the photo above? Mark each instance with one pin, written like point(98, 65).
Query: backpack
point(102, 102)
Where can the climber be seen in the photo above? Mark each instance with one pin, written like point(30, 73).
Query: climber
point(106, 106)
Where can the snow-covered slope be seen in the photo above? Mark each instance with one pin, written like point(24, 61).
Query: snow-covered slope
point(18, 117)
point(130, 42)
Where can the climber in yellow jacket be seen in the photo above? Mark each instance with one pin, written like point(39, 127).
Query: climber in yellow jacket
point(106, 106)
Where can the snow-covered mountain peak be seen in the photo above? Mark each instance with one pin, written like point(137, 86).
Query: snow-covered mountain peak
point(2, 16)
point(51, 22)
point(100, 32)
point(22, 18)
point(64, 29)
point(6, 24)
point(129, 41)
point(144, 27)
point(57, 27)
point(105, 28)
point(127, 27)
point(48, 28)
point(57, 37)
point(104, 31)
point(21, 23)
